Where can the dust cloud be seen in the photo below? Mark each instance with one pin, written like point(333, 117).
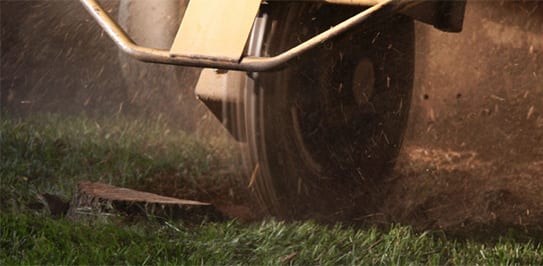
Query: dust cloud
point(55, 58)
point(474, 149)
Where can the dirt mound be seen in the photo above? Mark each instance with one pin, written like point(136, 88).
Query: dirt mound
point(452, 190)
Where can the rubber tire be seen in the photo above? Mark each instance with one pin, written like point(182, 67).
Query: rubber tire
point(154, 90)
point(344, 156)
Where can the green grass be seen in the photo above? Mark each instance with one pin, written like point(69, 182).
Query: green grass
point(26, 240)
point(51, 153)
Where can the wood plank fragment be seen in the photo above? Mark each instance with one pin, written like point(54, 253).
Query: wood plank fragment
point(99, 199)
point(110, 192)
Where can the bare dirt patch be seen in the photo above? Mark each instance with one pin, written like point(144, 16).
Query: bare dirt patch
point(451, 190)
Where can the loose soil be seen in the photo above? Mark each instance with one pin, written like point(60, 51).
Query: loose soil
point(474, 153)
point(456, 190)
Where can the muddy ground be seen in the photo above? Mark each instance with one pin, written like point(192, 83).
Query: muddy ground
point(473, 154)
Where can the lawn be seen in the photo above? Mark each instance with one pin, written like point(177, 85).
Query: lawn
point(50, 154)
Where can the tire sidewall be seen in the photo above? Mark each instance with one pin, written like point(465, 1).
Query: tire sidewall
point(389, 45)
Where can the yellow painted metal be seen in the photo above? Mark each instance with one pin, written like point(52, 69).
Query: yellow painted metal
point(339, 2)
point(354, 2)
point(247, 63)
point(215, 29)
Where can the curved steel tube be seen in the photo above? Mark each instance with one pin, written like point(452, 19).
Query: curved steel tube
point(249, 64)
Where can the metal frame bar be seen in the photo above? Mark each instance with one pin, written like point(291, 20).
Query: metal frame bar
point(249, 63)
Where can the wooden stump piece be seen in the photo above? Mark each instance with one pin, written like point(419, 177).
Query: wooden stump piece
point(99, 199)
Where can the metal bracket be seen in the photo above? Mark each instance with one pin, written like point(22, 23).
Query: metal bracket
point(247, 63)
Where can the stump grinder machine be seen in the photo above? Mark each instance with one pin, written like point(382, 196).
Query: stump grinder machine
point(317, 91)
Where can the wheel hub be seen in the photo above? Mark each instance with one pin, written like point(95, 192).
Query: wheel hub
point(363, 82)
